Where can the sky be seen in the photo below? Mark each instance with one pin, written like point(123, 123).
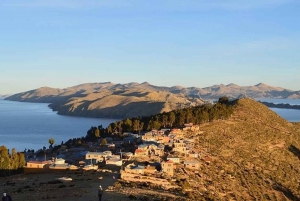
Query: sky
point(164, 42)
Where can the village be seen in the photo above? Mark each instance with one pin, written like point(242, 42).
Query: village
point(157, 157)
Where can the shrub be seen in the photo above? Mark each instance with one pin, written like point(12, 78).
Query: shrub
point(118, 185)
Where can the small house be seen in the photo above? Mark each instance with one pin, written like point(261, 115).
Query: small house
point(193, 165)
point(174, 159)
point(168, 167)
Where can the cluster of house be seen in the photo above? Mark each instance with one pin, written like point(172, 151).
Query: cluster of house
point(48, 165)
point(168, 147)
point(171, 147)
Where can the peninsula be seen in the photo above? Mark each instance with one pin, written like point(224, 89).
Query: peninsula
point(109, 100)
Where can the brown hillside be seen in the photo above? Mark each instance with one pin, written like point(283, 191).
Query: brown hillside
point(255, 156)
point(143, 95)
point(122, 103)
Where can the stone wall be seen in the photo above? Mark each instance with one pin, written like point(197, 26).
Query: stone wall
point(139, 178)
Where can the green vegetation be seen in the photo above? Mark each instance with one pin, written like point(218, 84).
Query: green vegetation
point(176, 118)
point(51, 142)
point(103, 142)
point(10, 163)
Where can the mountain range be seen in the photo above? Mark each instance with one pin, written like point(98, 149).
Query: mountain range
point(139, 99)
point(4, 96)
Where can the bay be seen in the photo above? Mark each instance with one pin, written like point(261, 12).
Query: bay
point(30, 125)
point(291, 115)
point(280, 100)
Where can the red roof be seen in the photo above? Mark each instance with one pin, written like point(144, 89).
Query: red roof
point(139, 150)
point(207, 159)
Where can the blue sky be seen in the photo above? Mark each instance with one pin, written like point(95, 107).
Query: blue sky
point(189, 43)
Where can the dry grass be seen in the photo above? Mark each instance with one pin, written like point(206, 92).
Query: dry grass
point(252, 155)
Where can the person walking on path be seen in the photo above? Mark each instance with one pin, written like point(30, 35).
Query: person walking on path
point(100, 192)
point(6, 197)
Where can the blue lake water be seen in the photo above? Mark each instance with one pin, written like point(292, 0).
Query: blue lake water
point(31, 125)
point(278, 101)
point(288, 114)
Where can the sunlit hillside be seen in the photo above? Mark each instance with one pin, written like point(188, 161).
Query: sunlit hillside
point(255, 156)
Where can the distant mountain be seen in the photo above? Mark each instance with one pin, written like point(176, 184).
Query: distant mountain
point(139, 99)
point(108, 99)
point(258, 91)
point(4, 96)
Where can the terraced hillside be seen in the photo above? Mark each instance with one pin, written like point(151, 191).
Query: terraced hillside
point(255, 156)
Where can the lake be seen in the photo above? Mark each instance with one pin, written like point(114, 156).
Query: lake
point(31, 125)
point(288, 114)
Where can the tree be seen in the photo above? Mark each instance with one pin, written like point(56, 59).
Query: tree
point(22, 160)
point(127, 126)
point(223, 100)
point(171, 118)
point(103, 142)
point(188, 116)
point(4, 163)
point(165, 120)
point(14, 163)
point(141, 126)
point(136, 125)
point(97, 133)
point(109, 129)
point(51, 142)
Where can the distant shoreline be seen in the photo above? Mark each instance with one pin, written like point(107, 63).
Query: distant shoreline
point(281, 105)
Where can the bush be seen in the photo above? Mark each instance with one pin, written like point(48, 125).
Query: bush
point(118, 185)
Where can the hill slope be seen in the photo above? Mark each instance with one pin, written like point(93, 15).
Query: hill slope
point(255, 156)
point(133, 99)
point(108, 100)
